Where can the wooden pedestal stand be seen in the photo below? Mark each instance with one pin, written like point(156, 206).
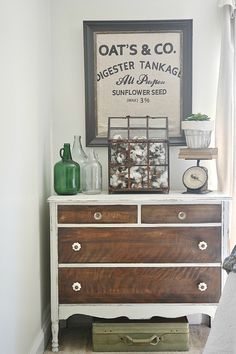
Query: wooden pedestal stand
point(198, 154)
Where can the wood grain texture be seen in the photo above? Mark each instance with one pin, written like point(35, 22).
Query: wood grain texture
point(198, 213)
point(82, 214)
point(139, 285)
point(148, 244)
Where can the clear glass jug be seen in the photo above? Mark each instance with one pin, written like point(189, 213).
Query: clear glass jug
point(92, 175)
point(79, 155)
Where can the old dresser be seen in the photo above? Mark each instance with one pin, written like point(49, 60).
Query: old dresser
point(136, 255)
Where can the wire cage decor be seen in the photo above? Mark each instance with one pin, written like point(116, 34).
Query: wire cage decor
point(138, 154)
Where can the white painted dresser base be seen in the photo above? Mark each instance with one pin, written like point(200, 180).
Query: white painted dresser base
point(132, 311)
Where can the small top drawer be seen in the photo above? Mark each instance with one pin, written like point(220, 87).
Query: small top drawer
point(181, 213)
point(97, 214)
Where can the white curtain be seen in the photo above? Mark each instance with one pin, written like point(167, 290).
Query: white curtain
point(222, 337)
point(225, 110)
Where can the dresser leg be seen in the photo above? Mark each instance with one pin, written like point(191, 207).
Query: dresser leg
point(55, 330)
point(211, 318)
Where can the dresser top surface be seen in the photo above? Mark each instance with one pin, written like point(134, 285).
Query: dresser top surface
point(172, 196)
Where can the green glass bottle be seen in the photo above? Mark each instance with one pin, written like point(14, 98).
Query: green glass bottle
point(66, 173)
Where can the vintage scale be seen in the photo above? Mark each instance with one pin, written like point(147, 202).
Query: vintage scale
point(195, 178)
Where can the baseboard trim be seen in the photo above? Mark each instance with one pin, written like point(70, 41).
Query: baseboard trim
point(43, 336)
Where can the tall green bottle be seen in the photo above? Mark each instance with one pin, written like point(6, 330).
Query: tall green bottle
point(66, 173)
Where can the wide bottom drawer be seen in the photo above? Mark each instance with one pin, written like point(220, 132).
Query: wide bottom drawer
point(156, 334)
point(139, 285)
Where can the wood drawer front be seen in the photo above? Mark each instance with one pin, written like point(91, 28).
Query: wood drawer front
point(142, 245)
point(139, 285)
point(181, 213)
point(98, 214)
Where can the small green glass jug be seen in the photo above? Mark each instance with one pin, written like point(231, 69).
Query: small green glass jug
point(66, 173)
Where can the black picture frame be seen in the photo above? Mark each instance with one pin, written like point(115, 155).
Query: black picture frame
point(93, 28)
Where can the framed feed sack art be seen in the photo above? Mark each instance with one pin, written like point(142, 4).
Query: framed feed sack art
point(137, 68)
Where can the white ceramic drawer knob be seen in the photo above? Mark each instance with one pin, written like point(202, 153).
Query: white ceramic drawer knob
point(76, 286)
point(97, 215)
point(182, 215)
point(202, 286)
point(202, 245)
point(76, 246)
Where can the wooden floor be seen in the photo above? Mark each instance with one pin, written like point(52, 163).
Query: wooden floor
point(77, 340)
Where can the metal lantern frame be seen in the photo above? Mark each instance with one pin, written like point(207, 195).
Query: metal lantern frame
point(138, 154)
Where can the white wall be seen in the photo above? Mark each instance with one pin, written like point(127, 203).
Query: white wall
point(68, 88)
point(25, 113)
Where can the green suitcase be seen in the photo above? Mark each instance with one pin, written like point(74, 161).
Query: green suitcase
point(154, 335)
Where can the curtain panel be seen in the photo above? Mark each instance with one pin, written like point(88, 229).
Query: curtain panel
point(225, 109)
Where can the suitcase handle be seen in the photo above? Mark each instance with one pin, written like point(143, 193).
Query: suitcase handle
point(153, 340)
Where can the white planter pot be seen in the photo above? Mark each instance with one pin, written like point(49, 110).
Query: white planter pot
point(198, 133)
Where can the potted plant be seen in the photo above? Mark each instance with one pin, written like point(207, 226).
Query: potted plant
point(197, 129)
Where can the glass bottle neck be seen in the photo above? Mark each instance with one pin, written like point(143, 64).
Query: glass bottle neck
point(77, 149)
point(92, 155)
point(77, 140)
point(65, 152)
